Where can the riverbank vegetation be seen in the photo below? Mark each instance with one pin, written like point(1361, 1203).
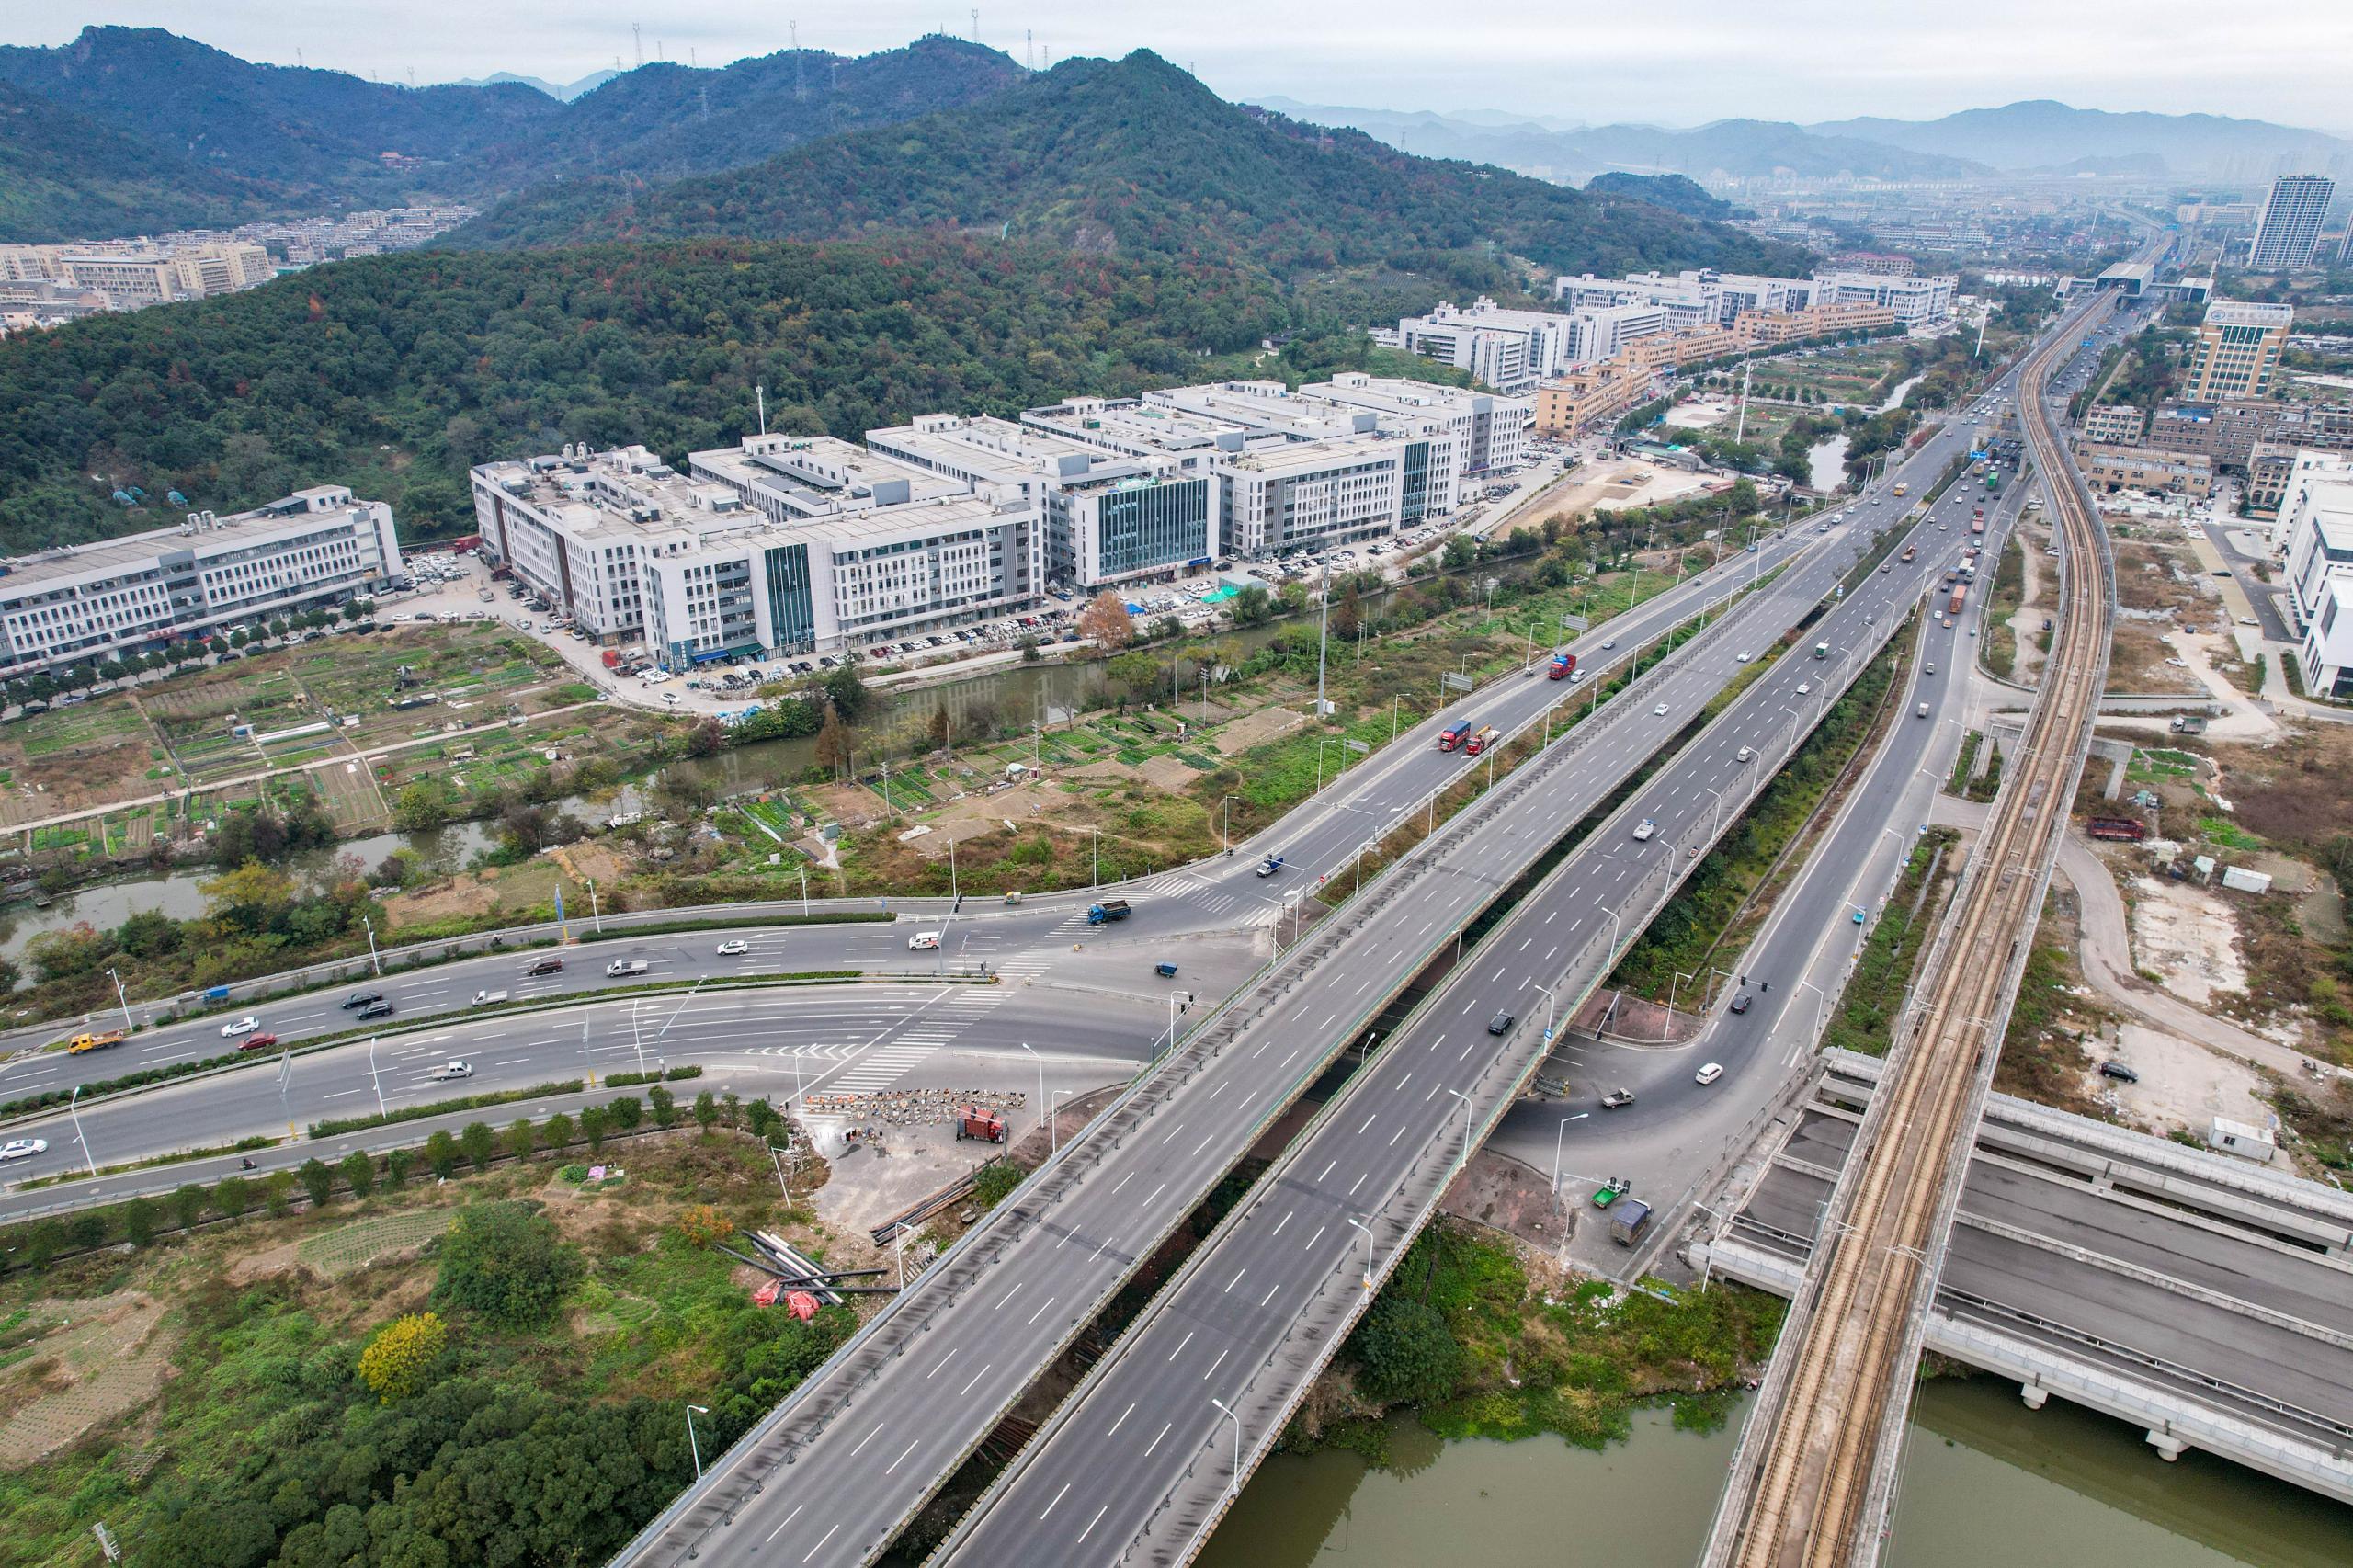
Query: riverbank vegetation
point(1483, 1340)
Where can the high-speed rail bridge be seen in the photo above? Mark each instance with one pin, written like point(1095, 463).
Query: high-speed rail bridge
point(1815, 1470)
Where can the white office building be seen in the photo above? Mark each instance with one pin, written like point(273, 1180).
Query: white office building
point(2326, 655)
point(1920, 301)
point(1110, 517)
point(1694, 299)
point(210, 575)
point(779, 545)
point(2290, 230)
point(1490, 430)
point(2314, 531)
point(1510, 350)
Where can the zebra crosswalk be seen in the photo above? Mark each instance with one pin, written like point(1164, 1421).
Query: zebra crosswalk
point(886, 1064)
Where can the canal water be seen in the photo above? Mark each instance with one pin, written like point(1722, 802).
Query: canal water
point(1826, 460)
point(1985, 1481)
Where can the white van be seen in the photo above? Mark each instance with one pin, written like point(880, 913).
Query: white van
point(923, 941)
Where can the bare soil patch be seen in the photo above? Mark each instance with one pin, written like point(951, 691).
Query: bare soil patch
point(1256, 729)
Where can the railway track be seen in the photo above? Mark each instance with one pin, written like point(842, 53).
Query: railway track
point(1820, 1449)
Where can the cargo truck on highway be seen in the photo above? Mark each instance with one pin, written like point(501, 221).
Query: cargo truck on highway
point(1452, 736)
point(1110, 909)
point(1488, 736)
point(1821, 650)
point(1563, 666)
point(1911, 553)
point(82, 1042)
point(1959, 592)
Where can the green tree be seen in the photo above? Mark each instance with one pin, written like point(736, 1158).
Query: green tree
point(232, 1194)
point(479, 1143)
point(665, 1105)
point(555, 1132)
point(707, 1111)
point(318, 1181)
point(1405, 1353)
point(1139, 673)
point(627, 1111)
point(278, 1193)
point(1251, 605)
point(506, 1262)
point(420, 808)
point(441, 1154)
point(139, 1221)
point(358, 1173)
point(521, 1138)
point(188, 1206)
point(396, 1168)
point(594, 1121)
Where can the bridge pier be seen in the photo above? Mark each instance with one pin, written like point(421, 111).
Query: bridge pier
point(2169, 1447)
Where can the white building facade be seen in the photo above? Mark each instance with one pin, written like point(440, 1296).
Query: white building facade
point(2314, 531)
point(314, 548)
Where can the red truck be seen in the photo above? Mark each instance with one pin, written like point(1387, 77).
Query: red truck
point(2127, 830)
point(1959, 592)
point(1452, 736)
point(987, 1126)
point(1563, 665)
point(1486, 737)
point(612, 658)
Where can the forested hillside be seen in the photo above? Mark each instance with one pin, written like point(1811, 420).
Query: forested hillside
point(395, 374)
point(173, 122)
point(1134, 157)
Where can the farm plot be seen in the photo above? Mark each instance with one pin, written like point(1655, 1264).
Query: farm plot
point(73, 758)
point(472, 672)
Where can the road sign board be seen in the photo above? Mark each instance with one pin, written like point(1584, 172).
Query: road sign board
point(1454, 682)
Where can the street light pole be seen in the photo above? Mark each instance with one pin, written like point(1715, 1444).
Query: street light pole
point(120, 1000)
point(1234, 1488)
point(79, 1137)
point(372, 957)
point(379, 1082)
point(1459, 1095)
point(1043, 1109)
point(1557, 1134)
point(596, 914)
point(692, 1443)
point(1368, 1247)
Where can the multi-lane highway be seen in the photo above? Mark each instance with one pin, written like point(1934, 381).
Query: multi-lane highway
point(1059, 1250)
point(1207, 917)
point(1150, 1441)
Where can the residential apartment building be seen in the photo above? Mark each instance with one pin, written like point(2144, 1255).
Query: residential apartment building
point(1109, 518)
point(133, 275)
point(2139, 467)
point(1769, 329)
point(2114, 425)
point(2314, 533)
point(781, 545)
point(1587, 398)
point(210, 573)
point(2236, 351)
point(2288, 231)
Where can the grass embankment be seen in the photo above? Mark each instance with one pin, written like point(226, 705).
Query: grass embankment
point(1687, 931)
point(1876, 989)
point(1481, 1348)
point(1997, 644)
point(541, 1411)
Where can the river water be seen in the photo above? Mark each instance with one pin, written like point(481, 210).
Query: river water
point(1826, 460)
point(1987, 1481)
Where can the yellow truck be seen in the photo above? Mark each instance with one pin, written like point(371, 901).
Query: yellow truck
point(82, 1042)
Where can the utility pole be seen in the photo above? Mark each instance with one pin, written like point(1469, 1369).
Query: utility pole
point(637, 41)
point(1322, 637)
point(799, 88)
point(1740, 432)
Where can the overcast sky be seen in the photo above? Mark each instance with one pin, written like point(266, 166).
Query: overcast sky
point(1667, 62)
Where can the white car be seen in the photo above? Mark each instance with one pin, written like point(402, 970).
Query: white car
point(1660, 710)
point(1710, 1074)
point(1804, 687)
point(1740, 658)
point(245, 1025)
point(734, 949)
point(23, 1148)
point(1644, 828)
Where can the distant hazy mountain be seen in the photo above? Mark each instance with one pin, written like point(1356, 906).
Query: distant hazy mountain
point(216, 127)
point(563, 94)
point(1572, 155)
point(1134, 157)
point(2041, 134)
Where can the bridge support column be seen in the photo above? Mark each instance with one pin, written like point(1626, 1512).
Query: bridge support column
point(2035, 1395)
point(2169, 1447)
